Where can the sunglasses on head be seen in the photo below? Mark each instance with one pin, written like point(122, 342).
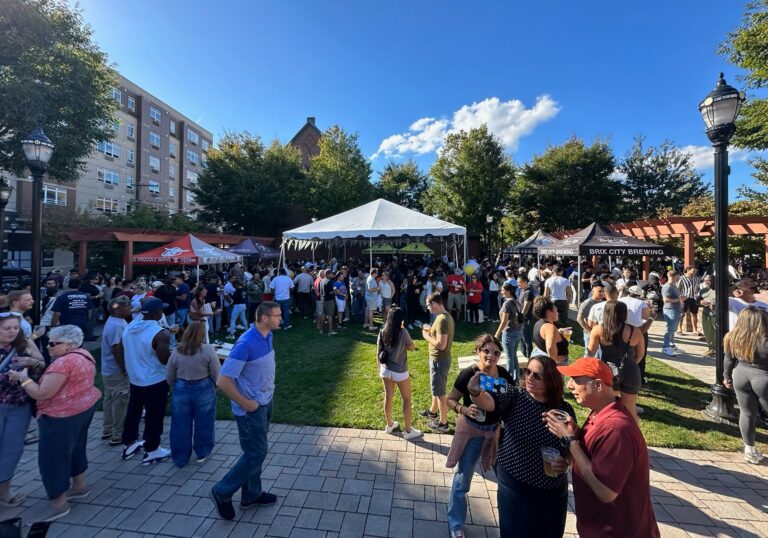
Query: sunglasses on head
point(494, 352)
point(535, 375)
point(7, 314)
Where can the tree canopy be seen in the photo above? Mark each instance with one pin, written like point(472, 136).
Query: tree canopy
point(471, 179)
point(248, 188)
point(54, 76)
point(403, 184)
point(656, 178)
point(339, 175)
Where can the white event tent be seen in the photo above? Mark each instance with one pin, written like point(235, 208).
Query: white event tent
point(377, 220)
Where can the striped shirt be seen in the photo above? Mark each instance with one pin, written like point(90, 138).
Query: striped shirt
point(689, 287)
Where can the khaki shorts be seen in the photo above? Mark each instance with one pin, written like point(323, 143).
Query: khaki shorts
point(455, 301)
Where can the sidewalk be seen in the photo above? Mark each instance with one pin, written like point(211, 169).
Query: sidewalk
point(348, 482)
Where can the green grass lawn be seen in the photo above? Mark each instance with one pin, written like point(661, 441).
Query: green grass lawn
point(333, 381)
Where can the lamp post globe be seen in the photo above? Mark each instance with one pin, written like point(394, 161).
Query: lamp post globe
point(719, 110)
point(6, 189)
point(38, 149)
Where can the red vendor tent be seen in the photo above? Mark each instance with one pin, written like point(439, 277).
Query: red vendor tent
point(186, 250)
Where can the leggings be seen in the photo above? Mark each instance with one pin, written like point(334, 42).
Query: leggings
point(474, 309)
point(751, 386)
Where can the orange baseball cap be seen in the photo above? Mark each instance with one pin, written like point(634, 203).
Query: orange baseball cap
point(590, 367)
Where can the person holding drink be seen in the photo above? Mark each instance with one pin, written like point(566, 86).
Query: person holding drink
point(548, 340)
point(477, 432)
point(531, 467)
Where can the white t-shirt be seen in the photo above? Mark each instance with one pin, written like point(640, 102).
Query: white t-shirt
point(371, 288)
point(557, 287)
point(282, 285)
point(635, 309)
point(385, 288)
point(736, 305)
point(597, 311)
point(303, 282)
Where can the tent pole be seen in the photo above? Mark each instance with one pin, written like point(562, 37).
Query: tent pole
point(313, 254)
point(466, 248)
point(578, 281)
point(370, 251)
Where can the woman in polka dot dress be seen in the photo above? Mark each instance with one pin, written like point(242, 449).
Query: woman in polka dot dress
point(531, 503)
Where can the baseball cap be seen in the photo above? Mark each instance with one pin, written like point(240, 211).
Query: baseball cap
point(151, 305)
point(157, 284)
point(636, 291)
point(590, 367)
point(121, 300)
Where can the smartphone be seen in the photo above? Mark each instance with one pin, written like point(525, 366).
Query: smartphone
point(486, 382)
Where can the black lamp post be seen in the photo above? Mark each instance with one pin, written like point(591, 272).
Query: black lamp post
point(489, 224)
point(12, 243)
point(719, 110)
point(5, 194)
point(38, 150)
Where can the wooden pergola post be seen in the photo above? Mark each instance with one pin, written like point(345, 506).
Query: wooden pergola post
point(766, 251)
point(82, 262)
point(128, 261)
point(646, 267)
point(689, 250)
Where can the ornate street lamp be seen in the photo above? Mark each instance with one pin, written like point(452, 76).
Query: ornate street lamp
point(38, 150)
point(6, 189)
point(719, 110)
point(489, 224)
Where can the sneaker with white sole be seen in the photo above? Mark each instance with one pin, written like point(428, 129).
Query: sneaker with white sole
point(391, 429)
point(413, 434)
point(751, 455)
point(130, 450)
point(668, 351)
point(156, 456)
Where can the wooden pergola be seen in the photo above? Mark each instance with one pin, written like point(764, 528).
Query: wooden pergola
point(129, 236)
point(689, 228)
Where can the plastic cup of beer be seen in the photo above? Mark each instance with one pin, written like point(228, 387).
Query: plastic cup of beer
point(561, 416)
point(549, 456)
point(567, 333)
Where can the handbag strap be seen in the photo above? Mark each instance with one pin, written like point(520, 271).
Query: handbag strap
point(7, 359)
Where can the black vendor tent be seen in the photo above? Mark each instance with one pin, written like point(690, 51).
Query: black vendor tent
point(598, 240)
point(253, 249)
point(530, 246)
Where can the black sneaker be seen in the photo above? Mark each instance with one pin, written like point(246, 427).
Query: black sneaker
point(434, 425)
point(265, 499)
point(224, 508)
point(428, 414)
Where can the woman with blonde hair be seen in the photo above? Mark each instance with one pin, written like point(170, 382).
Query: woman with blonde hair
point(192, 370)
point(746, 372)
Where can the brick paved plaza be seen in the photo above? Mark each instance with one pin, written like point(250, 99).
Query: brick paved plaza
point(349, 482)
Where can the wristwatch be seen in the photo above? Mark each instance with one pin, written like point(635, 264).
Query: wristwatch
point(566, 441)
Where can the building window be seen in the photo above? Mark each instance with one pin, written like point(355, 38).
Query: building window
point(154, 187)
point(129, 154)
point(130, 130)
point(131, 104)
point(193, 157)
point(204, 145)
point(116, 127)
point(189, 196)
point(172, 127)
point(171, 193)
point(193, 138)
point(172, 149)
point(129, 182)
point(192, 177)
point(54, 195)
point(171, 170)
point(154, 114)
point(108, 205)
point(108, 148)
point(107, 176)
point(154, 139)
point(154, 163)
point(117, 95)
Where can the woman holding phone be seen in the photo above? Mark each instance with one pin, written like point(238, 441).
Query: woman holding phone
point(477, 432)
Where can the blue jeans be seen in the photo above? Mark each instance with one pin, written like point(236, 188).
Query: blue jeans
point(527, 338)
point(171, 320)
point(238, 314)
point(246, 473)
point(530, 511)
point(462, 480)
point(509, 342)
point(285, 312)
point(181, 316)
point(193, 410)
point(14, 422)
point(672, 317)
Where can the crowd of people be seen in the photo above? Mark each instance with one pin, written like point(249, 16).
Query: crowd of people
point(156, 344)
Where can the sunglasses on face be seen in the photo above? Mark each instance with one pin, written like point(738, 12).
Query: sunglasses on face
point(494, 352)
point(54, 344)
point(535, 375)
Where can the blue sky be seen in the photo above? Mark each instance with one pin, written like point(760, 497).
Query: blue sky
point(402, 73)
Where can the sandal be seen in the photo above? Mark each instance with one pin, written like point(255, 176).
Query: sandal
point(13, 501)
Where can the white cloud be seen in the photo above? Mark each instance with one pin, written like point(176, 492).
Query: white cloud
point(703, 156)
point(508, 120)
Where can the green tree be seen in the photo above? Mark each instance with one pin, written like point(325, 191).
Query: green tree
point(471, 179)
point(567, 187)
point(655, 178)
point(340, 176)
point(52, 75)
point(248, 188)
point(403, 183)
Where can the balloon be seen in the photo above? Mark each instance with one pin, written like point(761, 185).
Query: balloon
point(291, 274)
point(469, 269)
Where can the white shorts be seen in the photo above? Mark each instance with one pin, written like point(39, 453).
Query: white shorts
point(340, 305)
point(386, 373)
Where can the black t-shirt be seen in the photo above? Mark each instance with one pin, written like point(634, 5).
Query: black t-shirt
point(462, 380)
point(526, 296)
point(73, 308)
point(510, 308)
point(238, 297)
point(91, 290)
point(586, 281)
point(168, 297)
point(328, 294)
point(213, 294)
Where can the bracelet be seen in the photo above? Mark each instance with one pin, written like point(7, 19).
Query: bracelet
point(26, 382)
point(461, 409)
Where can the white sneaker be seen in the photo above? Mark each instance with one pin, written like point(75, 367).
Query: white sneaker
point(413, 434)
point(130, 450)
point(668, 351)
point(156, 456)
point(751, 455)
point(388, 429)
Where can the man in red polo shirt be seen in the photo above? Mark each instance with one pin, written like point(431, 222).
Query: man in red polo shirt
point(611, 484)
point(455, 293)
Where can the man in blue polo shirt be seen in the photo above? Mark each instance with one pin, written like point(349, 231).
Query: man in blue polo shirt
point(247, 377)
